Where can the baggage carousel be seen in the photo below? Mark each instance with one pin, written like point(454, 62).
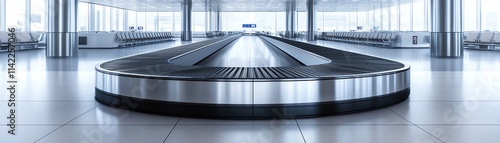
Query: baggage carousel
point(251, 77)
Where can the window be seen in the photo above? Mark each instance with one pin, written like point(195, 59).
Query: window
point(490, 15)
point(165, 21)
point(83, 16)
point(198, 21)
point(38, 15)
point(15, 14)
point(405, 14)
point(469, 16)
point(132, 19)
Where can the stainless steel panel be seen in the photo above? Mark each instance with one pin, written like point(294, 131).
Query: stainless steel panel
point(447, 44)
point(210, 92)
point(249, 92)
point(446, 15)
point(62, 44)
point(62, 36)
point(313, 91)
point(311, 20)
point(446, 28)
point(62, 15)
point(187, 7)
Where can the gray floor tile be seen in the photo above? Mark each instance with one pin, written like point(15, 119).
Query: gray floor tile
point(366, 134)
point(271, 122)
point(376, 117)
point(235, 134)
point(48, 113)
point(465, 133)
point(447, 113)
point(109, 134)
point(25, 134)
point(104, 115)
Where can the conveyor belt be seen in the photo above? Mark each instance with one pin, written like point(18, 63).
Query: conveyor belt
point(249, 51)
point(173, 81)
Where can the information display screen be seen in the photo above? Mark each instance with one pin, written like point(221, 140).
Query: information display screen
point(249, 25)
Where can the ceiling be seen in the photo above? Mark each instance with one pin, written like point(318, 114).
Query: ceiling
point(245, 5)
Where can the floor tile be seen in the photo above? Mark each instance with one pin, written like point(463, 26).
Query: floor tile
point(379, 116)
point(447, 113)
point(104, 115)
point(109, 134)
point(270, 122)
point(25, 134)
point(48, 113)
point(465, 133)
point(366, 134)
point(235, 134)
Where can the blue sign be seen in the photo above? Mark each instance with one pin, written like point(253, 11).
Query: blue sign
point(249, 25)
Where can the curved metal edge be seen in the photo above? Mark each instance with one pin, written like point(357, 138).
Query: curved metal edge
point(252, 91)
point(98, 69)
point(267, 111)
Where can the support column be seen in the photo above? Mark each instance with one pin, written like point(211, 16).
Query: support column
point(446, 28)
point(311, 20)
point(3, 18)
point(187, 6)
point(92, 20)
point(291, 18)
point(218, 20)
point(62, 35)
point(27, 17)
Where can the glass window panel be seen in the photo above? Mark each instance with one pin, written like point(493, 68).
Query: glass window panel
point(419, 15)
point(38, 15)
point(15, 14)
point(83, 16)
point(177, 21)
point(132, 19)
point(151, 18)
point(405, 16)
point(165, 21)
point(141, 19)
point(199, 21)
point(469, 15)
point(490, 15)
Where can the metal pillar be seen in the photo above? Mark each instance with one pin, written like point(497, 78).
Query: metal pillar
point(291, 18)
point(218, 20)
point(92, 18)
point(311, 20)
point(62, 35)
point(187, 6)
point(446, 28)
point(27, 17)
point(3, 23)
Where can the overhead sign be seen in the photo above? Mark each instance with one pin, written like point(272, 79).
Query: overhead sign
point(249, 25)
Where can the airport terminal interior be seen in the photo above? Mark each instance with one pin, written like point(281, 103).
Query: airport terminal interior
point(250, 71)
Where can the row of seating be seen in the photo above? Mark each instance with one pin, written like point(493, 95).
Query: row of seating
point(211, 34)
point(381, 38)
point(23, 40)
point(134, 38)
point(298, 34)
point(482, 40)
point(482, 37)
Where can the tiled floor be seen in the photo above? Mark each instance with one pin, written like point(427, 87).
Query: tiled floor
point(452, 100)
